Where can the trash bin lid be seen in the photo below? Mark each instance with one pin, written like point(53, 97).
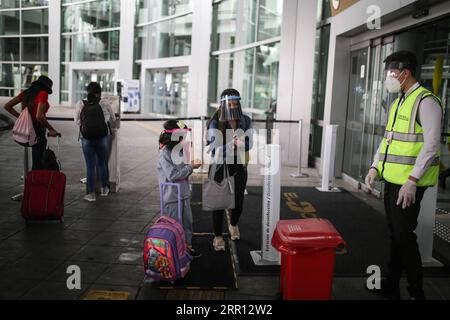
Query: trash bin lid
point(311, 233)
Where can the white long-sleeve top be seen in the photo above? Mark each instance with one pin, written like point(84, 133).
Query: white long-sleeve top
point(429, 116)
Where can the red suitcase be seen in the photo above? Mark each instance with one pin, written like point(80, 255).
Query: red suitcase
point(43, 197)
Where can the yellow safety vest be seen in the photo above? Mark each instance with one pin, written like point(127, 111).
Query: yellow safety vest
point(403, 140)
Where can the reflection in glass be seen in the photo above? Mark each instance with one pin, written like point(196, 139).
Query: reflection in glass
point(35, 21)
point(35, 49)
point(91, 16)
point(258, 76)
point(34, 3)
point(9, 4)
point(269, 22)
point(150, 10)
point(9, 49)
point(234, 24)
point(355, 113)
point(9, 23)
point(170, 38)
point(96, 46)
point(6, 75)
point(106, 79)
point(31, 72)
point(19, 76)
point(168, 92)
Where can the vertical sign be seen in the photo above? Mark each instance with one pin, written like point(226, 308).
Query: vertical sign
point(271, 207)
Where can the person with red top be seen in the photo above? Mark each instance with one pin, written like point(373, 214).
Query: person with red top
point(36, 98)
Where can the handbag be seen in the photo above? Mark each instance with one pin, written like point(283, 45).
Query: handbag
point(218, 195)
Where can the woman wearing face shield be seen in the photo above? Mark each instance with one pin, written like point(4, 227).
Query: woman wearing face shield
point(229, 133)
point(407, 161)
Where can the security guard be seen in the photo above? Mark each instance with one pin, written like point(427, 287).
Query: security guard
point(408, 161)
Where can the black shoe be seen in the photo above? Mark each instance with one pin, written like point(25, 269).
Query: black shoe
point(442, 181)
point(388, 290)
point(194, 253)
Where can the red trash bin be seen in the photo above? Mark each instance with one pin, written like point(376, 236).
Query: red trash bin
point(308, 248)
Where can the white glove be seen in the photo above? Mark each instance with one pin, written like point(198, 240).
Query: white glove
point(407, 194)
point(370, 178)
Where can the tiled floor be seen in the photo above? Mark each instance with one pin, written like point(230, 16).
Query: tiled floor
point(105, 238)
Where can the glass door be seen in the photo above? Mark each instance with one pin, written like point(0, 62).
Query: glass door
point(368, 108)
point(168, 92)
point(356, 108)
point(106, 79)
point(377, 107)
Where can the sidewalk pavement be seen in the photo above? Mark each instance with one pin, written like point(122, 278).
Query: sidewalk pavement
point(105, 238)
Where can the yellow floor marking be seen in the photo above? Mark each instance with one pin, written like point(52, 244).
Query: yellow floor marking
point(149, 127)
point(106, 295)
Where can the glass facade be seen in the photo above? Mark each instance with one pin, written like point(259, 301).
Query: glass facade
point(23, 44)
point(90, 32)
point(163, 29)
point(252, 71)
point(168, 92)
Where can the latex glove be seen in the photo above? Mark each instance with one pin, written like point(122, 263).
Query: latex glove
point(407, 194)
point(370, 178)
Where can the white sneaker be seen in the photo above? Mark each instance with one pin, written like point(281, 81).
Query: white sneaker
point(104, 191)
point(219, 244)
point(90, 197)
point(234, 232)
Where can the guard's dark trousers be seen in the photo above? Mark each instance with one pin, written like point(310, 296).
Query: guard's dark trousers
point(404, 254)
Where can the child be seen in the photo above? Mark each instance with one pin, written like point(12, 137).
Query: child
point(173, 168)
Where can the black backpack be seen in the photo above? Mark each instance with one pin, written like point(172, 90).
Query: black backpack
point(92, 120)
point(49, 161)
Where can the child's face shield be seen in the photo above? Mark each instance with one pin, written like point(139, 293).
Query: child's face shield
point(230, 108)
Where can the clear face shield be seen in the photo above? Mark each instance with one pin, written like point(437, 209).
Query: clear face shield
point(230, 108)
point(394, 72)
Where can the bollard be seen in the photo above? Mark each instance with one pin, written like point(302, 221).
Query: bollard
point(299, 173)
point(329, 155)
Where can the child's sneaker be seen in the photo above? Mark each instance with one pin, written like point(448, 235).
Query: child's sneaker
point(219, 244)
point(90, 197)
point(194, 253)
point(234, 232)
point(104, 191)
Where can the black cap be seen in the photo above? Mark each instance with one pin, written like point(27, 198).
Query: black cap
point(45, 83)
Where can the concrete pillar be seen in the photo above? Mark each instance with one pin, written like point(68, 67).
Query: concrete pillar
point(127, 12)
point(54, 52)
point(199, 65)
point(298, 32)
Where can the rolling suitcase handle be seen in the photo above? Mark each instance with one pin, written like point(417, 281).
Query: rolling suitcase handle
point(58, 136)
point(168, 184)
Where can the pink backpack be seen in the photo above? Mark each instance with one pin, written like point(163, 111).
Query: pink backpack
point(23, 130)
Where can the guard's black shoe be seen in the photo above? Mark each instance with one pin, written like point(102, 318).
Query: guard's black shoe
point(194, 253)
point(388, 290)
point(442, 181)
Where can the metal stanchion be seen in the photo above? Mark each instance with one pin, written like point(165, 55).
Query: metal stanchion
point(202, 168)
point(299, 173)
point(18, 197)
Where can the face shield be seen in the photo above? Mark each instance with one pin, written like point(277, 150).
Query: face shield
point(230, 108)
point(394, 72)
